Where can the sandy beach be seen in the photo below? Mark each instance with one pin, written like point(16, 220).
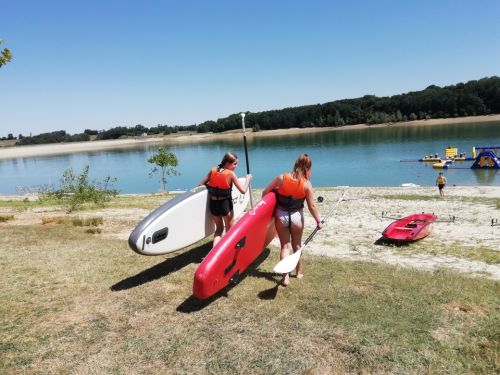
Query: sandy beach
point(68, 148)
point(357, 224)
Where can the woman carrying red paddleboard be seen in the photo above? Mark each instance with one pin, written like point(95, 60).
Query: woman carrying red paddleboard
point(219, 182)
point(292, 189)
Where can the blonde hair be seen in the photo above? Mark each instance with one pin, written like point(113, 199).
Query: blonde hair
point(302, 165)
point(229, 157)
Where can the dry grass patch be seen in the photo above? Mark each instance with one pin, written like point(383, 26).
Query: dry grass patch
point(73, 303)
point(5, 218)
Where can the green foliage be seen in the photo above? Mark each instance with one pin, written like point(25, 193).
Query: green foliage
point(165, 163)
point(53, 137)
point(76, 190)
point(5, 55)
point(478, 97)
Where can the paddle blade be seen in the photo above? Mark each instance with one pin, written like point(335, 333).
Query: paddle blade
point(288, 263)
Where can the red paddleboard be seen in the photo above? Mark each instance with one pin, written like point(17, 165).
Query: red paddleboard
point(410, 228)
point(239, 247)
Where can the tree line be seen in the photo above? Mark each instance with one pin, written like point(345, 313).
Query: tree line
point(476, 97)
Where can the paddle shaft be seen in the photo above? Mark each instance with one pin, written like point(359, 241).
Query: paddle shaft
point(289, 263)
point(323, 221)
point(246, 153)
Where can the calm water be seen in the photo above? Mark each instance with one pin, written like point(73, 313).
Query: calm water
point(366, 157)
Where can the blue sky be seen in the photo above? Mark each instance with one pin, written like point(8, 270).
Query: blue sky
point(96, 64)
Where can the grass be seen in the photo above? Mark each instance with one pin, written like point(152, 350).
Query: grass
point(481, 254)
point(72, 302)
point(5, 218)
point(147, 201)
point(75, 221)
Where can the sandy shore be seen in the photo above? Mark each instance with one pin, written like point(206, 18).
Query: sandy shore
point(68, 148)
point(357, 224)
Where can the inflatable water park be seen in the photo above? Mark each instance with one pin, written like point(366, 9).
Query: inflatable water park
point(483, 157)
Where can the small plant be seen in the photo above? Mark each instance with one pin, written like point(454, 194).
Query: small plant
point(165, 162)
point(5, 218)
point(76, 190)
point(88, 222)
point(93, 230)
point(53, 219)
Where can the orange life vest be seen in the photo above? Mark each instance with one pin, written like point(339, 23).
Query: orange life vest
point(292, 193)
point(220, 184)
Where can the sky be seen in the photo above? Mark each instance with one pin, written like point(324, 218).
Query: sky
point(97, 64)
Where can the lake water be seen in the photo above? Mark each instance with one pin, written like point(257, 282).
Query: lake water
point(362, 157)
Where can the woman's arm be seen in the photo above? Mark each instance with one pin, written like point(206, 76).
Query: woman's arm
point(275, 184)
point(205, 179)
point(311, 205)
point(242, 188)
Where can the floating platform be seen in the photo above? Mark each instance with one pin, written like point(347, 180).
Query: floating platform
point(487, 158)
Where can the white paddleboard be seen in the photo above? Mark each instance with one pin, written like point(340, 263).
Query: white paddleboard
point(180, 222)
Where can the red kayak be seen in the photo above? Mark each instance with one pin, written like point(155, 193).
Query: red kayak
point(239, 247)
point(410, 228)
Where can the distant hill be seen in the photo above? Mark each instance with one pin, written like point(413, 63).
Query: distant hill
point(477, 97)
point(481, 97)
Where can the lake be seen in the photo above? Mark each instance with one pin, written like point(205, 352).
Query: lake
point(355, 157)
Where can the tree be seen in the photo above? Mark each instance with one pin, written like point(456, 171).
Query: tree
point(5, 55)
point(165, 162)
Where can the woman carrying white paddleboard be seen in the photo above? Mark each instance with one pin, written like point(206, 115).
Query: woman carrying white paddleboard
point(219, 182)
point(292, 189)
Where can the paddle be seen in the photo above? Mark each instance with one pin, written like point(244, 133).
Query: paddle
point(289, 263)
point(246, 153)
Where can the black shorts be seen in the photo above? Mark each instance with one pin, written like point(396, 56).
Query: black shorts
point(221, 207)
point(440, 186)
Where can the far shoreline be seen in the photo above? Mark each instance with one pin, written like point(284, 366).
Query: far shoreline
point(12, 152)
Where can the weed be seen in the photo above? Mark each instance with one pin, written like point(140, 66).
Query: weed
point(5, 218)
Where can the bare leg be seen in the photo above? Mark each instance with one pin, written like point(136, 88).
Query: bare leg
point(228, 220)
point(284, 236)
point(219, 228)
point(296, 234)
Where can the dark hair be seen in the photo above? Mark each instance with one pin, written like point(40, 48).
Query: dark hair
point(229, 157)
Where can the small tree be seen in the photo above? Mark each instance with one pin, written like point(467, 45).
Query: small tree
point(5, 55)
point(75, 190)
point(165, 162)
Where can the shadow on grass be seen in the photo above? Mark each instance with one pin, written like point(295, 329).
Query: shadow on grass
point(194, 255)
point(193, 304)
point(382, 241)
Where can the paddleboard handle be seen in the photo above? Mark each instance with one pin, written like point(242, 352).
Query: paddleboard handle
point(239, 245)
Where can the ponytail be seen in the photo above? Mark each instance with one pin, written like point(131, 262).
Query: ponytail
point(229, 157)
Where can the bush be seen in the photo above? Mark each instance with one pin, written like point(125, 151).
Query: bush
point(76, 190)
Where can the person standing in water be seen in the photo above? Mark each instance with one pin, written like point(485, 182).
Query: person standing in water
point(219, 182)
point(292, 189)
point(440, 183)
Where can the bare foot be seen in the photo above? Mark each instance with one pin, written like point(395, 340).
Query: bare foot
point(299, 275)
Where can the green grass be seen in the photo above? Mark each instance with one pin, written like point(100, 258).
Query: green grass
point(72, 302)
point(481, 254)
point(149, 201)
